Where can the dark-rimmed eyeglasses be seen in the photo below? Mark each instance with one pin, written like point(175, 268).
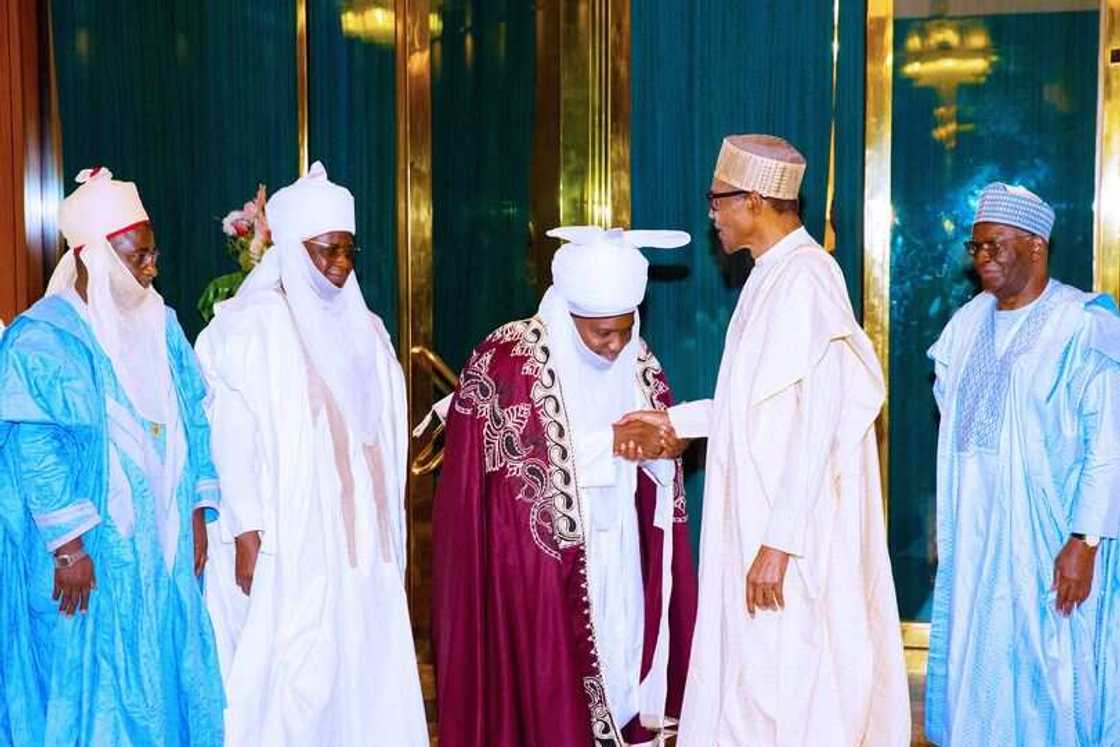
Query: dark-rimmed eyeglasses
point(713, 196)
point(995, 250)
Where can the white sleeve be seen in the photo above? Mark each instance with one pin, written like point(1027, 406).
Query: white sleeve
point(692, 419)
point(235, 447)
point(595, 459)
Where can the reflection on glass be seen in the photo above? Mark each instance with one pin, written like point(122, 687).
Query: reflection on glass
point(944, 54)
point(375, 21)
point(1013, 97)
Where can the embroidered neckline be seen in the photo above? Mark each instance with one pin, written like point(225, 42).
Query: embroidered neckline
point(987, 376)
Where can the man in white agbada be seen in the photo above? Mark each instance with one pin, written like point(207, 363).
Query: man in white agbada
point(797, 636)
point(564, 588)
point(306, 583)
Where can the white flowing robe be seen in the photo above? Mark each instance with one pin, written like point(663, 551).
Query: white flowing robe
point(321, 652)
point(792, 464)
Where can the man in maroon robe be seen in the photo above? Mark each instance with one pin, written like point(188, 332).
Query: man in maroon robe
point(564, 585)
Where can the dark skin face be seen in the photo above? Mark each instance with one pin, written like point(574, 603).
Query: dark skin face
point(137, 249)
point(1012, 266)
point(333, 254)
point(606, 336)
point(748, 221)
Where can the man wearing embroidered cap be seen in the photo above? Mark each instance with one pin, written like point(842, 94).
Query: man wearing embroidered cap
point(1025, 638)
point(306, 585)
point(797, 636)
point(563, 582)
point(106, 484)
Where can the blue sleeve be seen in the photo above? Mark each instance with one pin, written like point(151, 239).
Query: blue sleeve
point(47, 401)
point(192, 395)
point(45, 458)
point(1096, 507)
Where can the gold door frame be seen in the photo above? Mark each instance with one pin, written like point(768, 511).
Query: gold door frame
point(586, 179)
point(878, 215)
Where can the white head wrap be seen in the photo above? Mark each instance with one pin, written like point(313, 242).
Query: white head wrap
point(128, 320)
point(598, 273)
point(601, 273)
point(335, 325)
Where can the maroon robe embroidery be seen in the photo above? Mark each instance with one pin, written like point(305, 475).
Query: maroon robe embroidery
point(515, 650)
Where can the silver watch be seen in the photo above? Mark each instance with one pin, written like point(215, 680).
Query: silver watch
point(67, 559)
point(1092, 540)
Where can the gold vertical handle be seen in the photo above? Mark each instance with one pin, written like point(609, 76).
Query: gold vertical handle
point(429, 453)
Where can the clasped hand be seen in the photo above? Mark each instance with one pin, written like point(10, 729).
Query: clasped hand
point(647, 434)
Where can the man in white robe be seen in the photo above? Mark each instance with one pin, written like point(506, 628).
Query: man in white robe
point(797, 637)
point(306, 583)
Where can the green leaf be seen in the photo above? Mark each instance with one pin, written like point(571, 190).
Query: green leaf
point(219, 289)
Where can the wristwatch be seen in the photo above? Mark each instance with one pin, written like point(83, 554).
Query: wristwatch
point(67, 559)
point(1091, 540)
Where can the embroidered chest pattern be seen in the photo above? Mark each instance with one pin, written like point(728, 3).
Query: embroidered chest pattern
point(987, 377)
point(548, 488)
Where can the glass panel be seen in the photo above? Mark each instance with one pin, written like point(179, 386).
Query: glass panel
point(195, 103)
point(984, 90)
point(352, 129)
point(483, 87)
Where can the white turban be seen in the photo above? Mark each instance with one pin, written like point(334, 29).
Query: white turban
point(309, 207)
point(99, 208)
point(601, 273)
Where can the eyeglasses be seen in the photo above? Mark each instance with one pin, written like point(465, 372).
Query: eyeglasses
point(713, 196)
point(996, 250)
point(334, 252)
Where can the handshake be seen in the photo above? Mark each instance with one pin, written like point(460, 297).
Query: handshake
point(647, 434)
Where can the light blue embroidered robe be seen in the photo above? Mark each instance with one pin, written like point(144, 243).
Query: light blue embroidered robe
point(140, 667)
point(1029, 452)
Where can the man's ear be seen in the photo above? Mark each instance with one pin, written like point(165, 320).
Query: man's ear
point(1038, 246)
point(754, 202)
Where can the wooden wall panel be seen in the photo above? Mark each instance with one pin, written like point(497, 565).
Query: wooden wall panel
point(27, 176)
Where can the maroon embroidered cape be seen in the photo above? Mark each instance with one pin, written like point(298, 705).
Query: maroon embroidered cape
point(516, 663)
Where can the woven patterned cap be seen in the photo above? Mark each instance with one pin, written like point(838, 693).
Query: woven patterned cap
point(1016, 206)
point(764, 164)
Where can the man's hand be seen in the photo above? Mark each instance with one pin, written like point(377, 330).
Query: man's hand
point(765, 580)
point(72, 585)
point(637, 440)
point(201, 543)
point(1073, 574)
point(247, 546)
point(669, 446)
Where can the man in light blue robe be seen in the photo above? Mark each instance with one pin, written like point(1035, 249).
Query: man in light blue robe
point(1025, 639)
point(106, 483)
